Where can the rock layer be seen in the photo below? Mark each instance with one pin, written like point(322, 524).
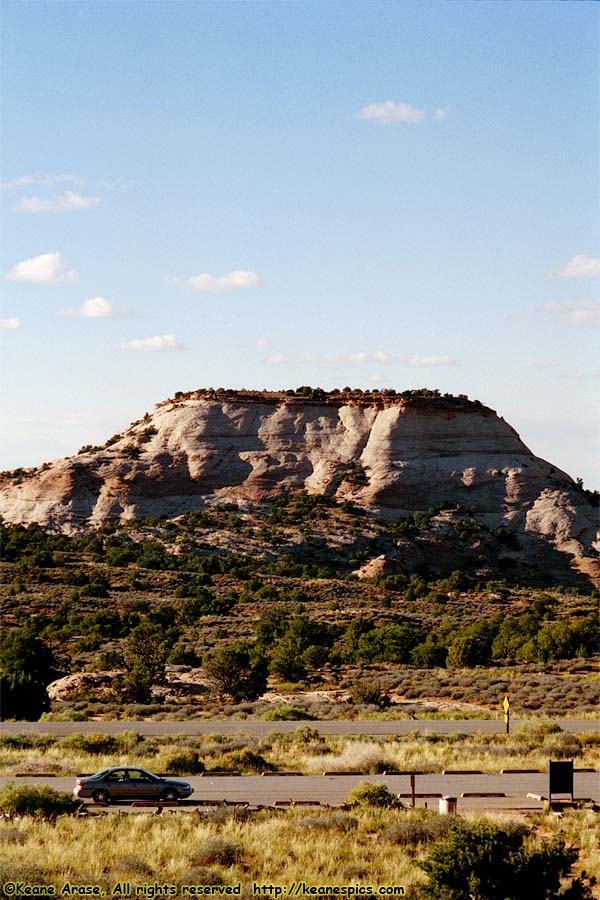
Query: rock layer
point(388, 454)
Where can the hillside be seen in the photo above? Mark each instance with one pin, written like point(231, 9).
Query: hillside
point(392, 455)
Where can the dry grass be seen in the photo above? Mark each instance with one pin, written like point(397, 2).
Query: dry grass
point(271, 847)
point(529, 746)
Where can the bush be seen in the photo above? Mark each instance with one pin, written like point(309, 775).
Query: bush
point(39, 800)
point(487, 862)
point(94, 744)
point(367, 794)
point(27, 741)
point(218, 850)
point(334, 821)
point(245, 761)
point(369, 694)
point(286, 713)
point(412, 833)
point(184, 762)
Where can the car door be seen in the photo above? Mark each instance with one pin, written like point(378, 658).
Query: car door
point(117, 784)
point(143, 785)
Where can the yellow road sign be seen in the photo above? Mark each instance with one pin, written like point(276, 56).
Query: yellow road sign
point(506, 704)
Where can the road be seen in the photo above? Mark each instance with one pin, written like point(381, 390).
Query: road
point(334, 789)
point(261, 729)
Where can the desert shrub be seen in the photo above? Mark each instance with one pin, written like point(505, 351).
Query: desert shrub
point(131, 865)
point(94, 744)
point(98, 586)
point(181, 655)
point(484, 861)
point(184, 762)
point(562, 746)
point(201, 875)
point(411, 833)
point(285, 713)
point(336, 821)
point(367, 794)
point(108, 660)
point(38, 800)
point(219, 851)
point(369, 694)
point(27, 741)
point(64, 715)
point(245, 761)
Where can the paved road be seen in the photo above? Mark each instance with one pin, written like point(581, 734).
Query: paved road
point(334, 789)
point(337, 726)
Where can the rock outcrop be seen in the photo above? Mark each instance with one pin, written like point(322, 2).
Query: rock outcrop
point(391, 454)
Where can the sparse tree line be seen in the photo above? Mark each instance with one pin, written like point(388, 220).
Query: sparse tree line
point(288, 644)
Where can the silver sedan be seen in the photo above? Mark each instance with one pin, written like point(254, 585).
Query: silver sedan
point(128, 783)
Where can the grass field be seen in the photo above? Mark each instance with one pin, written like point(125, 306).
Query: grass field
point(374, 847)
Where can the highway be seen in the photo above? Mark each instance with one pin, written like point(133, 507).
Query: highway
point(505, 791)
point(262, 729)
point(510, 789)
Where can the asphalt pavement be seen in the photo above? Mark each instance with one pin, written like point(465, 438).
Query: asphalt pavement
point(472, 790)
point(261, 729)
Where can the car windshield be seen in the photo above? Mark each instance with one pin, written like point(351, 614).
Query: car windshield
point(100, 773)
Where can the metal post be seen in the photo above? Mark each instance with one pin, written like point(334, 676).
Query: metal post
point(412, 792)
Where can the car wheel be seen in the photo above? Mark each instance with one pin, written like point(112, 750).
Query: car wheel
point(101, 797)
point(169, 794)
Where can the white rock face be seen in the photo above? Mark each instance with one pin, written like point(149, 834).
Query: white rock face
point(392, 456)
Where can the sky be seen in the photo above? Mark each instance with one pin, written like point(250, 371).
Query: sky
point(273, 194)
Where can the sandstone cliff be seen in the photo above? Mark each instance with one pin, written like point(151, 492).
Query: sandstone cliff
point(391, 454)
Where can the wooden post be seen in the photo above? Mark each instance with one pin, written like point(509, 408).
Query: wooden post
point(412, 791)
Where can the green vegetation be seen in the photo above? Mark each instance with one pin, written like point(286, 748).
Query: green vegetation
point(39, 801)
point(367, 794)
point(138, 597)
point(238, 671)
point(28, 666)
point(487, 862)
point(371, 845)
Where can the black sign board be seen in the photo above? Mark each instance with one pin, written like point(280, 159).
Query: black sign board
point(561, 778)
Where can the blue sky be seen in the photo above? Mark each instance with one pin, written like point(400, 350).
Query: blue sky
point(269, 194)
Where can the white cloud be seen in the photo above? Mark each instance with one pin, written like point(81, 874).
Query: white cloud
point(10, 323)
point(262, 343)
point(235, 280)
point(67, 201)
point(390, 113)
point(42, 178)
point(441, 113)
point(279, 359)
point(96, 308)
point(425, 361)
point(71, 200)
point(574, 312)
point(33, 204)
point(152, 344)
point(578, 267)
point(49, 268)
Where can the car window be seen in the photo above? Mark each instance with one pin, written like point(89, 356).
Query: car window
point(140, 777)
point(117, 775)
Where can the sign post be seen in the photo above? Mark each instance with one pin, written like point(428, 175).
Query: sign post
point(506, 707)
